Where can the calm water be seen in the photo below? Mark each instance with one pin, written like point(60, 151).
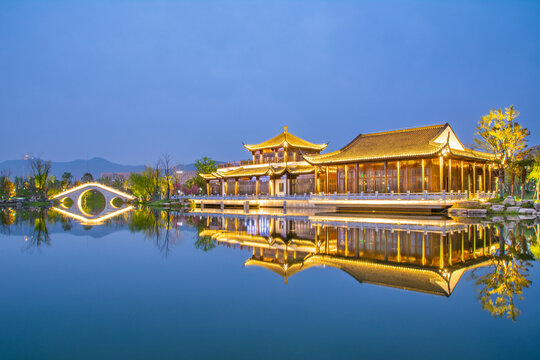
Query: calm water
point(150, 284)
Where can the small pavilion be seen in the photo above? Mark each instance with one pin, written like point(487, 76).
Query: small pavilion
point(277, 168)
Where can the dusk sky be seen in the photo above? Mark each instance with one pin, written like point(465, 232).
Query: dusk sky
point(129, 80)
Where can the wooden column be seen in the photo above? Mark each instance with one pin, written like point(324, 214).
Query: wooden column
point(207, 188)
point(441, 172)
point(386, 176)
point(346, 174)
point(257, 187)
point(462, 180)
point(449, 174)
point(317, 184)
point(236, 187)
point(423, 175)
point(326, 185)
point(356, 178)
point(398, 177)
point(490, 180)
point(474, 178)
point(485, 178)
point(226, 187)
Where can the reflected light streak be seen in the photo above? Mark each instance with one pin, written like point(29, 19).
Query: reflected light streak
point(96, 220)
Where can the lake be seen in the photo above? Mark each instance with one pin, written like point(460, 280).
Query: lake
point(155, 284)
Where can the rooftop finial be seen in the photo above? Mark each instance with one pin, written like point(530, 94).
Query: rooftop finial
point(285, 127)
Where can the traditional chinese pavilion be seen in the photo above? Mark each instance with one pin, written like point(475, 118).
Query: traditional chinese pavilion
point(277, 168)
point(429, 158)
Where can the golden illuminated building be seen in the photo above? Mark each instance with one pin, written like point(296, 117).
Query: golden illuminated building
point(425, 159)
point(277, 168)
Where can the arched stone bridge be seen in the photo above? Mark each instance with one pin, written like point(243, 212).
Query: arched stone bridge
point(76, 194)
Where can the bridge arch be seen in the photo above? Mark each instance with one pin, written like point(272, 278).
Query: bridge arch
point(76, 194)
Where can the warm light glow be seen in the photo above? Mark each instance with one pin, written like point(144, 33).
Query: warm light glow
point(94, 221)
point(88, 185)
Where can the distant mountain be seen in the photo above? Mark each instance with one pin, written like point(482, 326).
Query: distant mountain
point(95, 166)
point(186, 167)
point(77, 168)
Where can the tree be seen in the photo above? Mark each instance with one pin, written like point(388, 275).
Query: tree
point(168, 171)
point(154, 173)
point(204, 165)
point(40, 169)
point(7, 188)
point(67, 179)
point(521, 168)
point(53, 186)
point(498, 132)
point(141, 185)
point(534, 175)
point(87, 177)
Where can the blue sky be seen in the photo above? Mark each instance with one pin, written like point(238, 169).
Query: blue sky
point(129, 80)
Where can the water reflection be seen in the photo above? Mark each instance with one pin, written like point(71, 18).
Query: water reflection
point(508, 274)
point(420, 254)
point(428, 255)
point(78, 214)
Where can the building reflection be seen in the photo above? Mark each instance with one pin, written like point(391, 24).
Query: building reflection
point(420, 254)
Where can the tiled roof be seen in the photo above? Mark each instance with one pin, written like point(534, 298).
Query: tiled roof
point(286, 139)
point(260, 171)
point(400, 276)
point(398, 144)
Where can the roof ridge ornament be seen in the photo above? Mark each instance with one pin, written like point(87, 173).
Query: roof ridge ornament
point(285, 129)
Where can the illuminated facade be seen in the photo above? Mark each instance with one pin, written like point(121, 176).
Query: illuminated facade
point(277, 168)
point(425, 159)
point(421, 159)
point(413, 254)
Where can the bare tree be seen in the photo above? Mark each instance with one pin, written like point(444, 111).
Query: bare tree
point(168, 171)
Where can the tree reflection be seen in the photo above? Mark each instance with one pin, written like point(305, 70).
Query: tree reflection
point(39, 233)
point(157, 225)
point(7, 217)
point(202, 242)
point(508, 275)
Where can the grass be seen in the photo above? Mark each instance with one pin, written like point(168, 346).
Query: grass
point(36, 203)
point(117, 202)
point(67, 202)
point(161, 203)
point(93, 202)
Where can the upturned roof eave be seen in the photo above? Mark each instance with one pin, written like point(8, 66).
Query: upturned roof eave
point(314, 162)
point(257, 147)
point(284, 139)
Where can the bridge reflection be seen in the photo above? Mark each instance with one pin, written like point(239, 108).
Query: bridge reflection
point(420, 254)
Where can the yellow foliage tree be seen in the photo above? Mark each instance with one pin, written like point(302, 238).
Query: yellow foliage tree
point(498, 132)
